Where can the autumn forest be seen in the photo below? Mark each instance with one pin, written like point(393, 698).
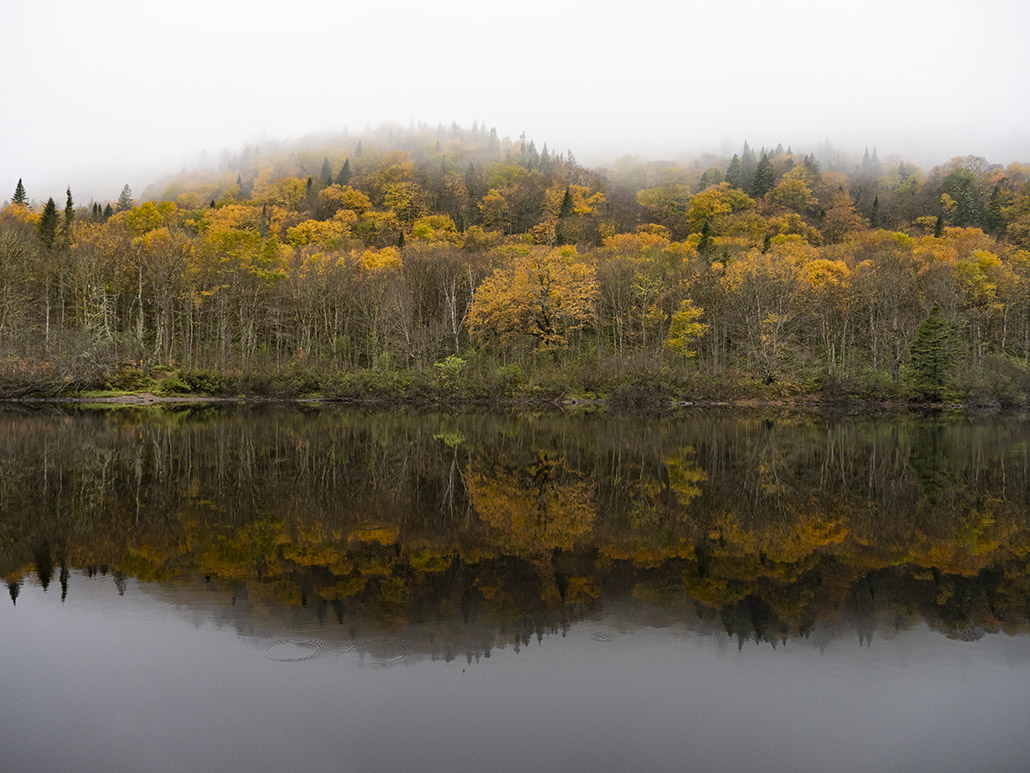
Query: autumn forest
point(450, 263)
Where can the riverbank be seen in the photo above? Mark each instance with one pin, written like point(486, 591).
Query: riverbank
point(456, 383)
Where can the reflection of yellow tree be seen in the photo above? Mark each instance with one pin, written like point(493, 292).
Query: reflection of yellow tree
point(535, 509)
point(685, 475)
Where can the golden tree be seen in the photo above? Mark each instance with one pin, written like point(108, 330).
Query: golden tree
point(547, 294)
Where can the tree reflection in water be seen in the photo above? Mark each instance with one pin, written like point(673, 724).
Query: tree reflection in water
point(505, 527)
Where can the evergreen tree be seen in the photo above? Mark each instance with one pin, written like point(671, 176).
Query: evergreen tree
point(812, 165)
point(108, 211)
point(69, 216)
point(20, 197)
point(343, 178)
point(748, 163)
point(710, 177)
point(934, 353)
point(735, 173)
point(48, 224)
point(566, 204)
point(994, 223)
point(358, 150)
point(704, 244)
point(874, 216)
point(400, 239)
point(125, 198)
point(764, 177)
point(938, 227)
point(327, 172)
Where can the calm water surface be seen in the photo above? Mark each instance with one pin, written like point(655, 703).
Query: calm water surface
point(261, 589)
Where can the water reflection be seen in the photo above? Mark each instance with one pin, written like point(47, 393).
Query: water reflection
point(460, 533)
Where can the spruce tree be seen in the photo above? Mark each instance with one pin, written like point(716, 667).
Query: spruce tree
point(938, 227)
point(343, 178)
point(20, 197)
point(764, 177)
point(934, 353)
point(566, 204)
point(704, 244)
point(69, 216)
point(874, 216)
point(994, 222)
point(735, 173)
point(48, 224)
point(108, 211)
point(327, 172)
point(748, 164)
point(125, 199)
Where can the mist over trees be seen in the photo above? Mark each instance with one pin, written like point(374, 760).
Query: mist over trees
point(380, 263)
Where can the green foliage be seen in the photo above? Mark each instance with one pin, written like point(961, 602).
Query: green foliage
point(48, 224)
point(125, 199)
point(764, 177)
point(204, 382)
point(449, 373)
point(130, 379)
point(20, 197)
point(934, 353)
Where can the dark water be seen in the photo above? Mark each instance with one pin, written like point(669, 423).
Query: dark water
point(262, 589)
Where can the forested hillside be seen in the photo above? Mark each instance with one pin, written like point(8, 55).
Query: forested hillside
point(451, 263)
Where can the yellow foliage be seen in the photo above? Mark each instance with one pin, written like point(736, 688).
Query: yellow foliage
point(317, 232)
point(544, 293)
point(386, 259)
point(685, 330)
point(436, 228)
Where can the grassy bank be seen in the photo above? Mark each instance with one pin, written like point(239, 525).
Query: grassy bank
point(477, 379)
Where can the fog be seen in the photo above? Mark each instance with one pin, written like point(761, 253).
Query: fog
point(95, 96)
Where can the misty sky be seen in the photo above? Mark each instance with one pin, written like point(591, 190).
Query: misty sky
point(95, 95)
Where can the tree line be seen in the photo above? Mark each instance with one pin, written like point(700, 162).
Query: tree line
point(457, 263)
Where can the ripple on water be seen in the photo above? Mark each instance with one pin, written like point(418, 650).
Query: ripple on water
point(379, 652)
point(600, 636)
point(294, 650)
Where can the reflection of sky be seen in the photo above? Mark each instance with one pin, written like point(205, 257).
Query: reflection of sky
point(146, 681)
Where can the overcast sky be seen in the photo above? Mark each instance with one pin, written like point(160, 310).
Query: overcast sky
point(97, 94)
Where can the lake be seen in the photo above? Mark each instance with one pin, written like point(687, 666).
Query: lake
point(325, 588)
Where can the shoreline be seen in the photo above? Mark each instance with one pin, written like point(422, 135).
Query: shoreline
point(143, 399)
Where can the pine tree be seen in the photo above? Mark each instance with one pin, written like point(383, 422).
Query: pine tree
point(994, 222)
point(69, 216)
point(735, 173)
point(125, 198)
point(748, 163)
point(874, 216)
point(20, 197)
point(327, 172)
point(108, 211)
point(934, 353)
point(48, 224)
point(343, 178)
point(704, 244)
point(938, 227)
point(400, 240)
point(764, 177)
point(566, 204)
point(358, 150)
